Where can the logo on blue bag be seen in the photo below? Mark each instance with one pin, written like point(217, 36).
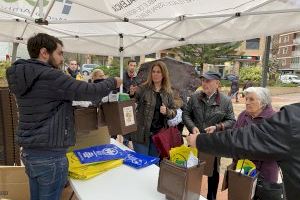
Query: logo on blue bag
point(134, 160)
point(99, 153)
point(87, 154)
point(108, 152)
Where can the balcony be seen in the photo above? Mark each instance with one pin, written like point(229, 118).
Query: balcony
point(297, 40)
point(295, 66)
point(296, 53)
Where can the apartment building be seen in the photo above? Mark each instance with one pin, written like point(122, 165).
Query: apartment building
point(289, 52)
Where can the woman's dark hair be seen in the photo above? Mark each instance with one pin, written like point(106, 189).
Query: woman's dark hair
point(42, 40)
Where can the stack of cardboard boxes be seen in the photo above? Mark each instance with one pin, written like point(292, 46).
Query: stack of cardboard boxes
point(13, 180)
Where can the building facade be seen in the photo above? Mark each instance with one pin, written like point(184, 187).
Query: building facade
point(289, 52)
point(250, 52)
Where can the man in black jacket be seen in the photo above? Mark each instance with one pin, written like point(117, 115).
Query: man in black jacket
point(46, 123)
point(209, 111)
point(276, 138)
point(130, 84)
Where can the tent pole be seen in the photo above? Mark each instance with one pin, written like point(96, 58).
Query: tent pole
point(49, 9)
point(75, 36)
point(14, 52)
point(121, 50)
point(265, 67)
point(149, 36)
point(41, 7)
point(32, 12)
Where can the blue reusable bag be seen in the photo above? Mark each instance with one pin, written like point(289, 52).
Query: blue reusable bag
point(99, 153)
point(139, 161)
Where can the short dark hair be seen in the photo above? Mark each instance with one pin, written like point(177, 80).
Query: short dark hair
point(130, 61)
point(42, 40)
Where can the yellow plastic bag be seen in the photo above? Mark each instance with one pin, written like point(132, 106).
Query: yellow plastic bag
point(180, 155)
point(86, 171)
point(246, 167)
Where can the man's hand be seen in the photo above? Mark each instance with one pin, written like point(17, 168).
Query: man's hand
point(132, 90)
point(163, 109)
point(210, 129)
point(191, 139)
point(119, 82)
point(195, 130)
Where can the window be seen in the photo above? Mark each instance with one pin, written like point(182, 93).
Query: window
point(283, 62)
point(284, 50)
point(253, 43)
point(285, 38)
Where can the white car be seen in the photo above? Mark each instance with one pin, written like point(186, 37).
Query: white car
point(86, 69)
point(289, 78)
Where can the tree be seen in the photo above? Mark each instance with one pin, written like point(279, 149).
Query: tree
point(274, 63)
point(3, 66)
point(198, 54)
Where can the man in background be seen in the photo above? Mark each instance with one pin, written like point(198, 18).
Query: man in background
point(73, 70)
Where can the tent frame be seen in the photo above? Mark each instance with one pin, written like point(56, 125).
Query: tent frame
point(137, 22)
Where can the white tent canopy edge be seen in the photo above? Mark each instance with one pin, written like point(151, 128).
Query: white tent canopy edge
point(122, 34)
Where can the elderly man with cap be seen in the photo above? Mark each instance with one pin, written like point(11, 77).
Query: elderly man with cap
point(209, 111)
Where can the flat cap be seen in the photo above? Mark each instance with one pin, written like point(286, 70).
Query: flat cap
point(210, 75)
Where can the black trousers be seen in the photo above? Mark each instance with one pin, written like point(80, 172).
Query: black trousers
point(213, 183)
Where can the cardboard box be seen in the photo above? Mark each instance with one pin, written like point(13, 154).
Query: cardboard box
point(91, 138)
point(14, 183)
point(120, 117)
point(240, 186)
point(179, 183)
point(209, 163)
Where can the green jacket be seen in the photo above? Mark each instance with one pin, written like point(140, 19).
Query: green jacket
point(201, 114)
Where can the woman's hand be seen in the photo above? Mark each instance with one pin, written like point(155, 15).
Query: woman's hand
point(163, 109)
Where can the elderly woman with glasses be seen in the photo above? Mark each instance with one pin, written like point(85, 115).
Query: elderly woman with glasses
point(258, 107)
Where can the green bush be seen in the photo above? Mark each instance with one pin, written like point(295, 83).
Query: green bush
point(225, 83)
point(110, 71)
point(251, 73)
point(3, 66)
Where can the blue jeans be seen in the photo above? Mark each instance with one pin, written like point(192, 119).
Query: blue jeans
point(47, 176)
point(149, 150)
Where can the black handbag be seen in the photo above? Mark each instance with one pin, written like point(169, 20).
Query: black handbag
point(269, 191)
point(266, 191)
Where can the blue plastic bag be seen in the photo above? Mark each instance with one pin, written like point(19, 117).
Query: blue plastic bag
point(139, 161)
point(99, 153)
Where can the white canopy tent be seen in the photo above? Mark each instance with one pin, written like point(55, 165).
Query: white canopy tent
point(137, 27)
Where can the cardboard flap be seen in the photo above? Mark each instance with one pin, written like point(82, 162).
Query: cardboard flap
point(14, 183)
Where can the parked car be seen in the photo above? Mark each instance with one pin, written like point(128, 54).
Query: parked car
point(86, 69)
point(290, 78)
